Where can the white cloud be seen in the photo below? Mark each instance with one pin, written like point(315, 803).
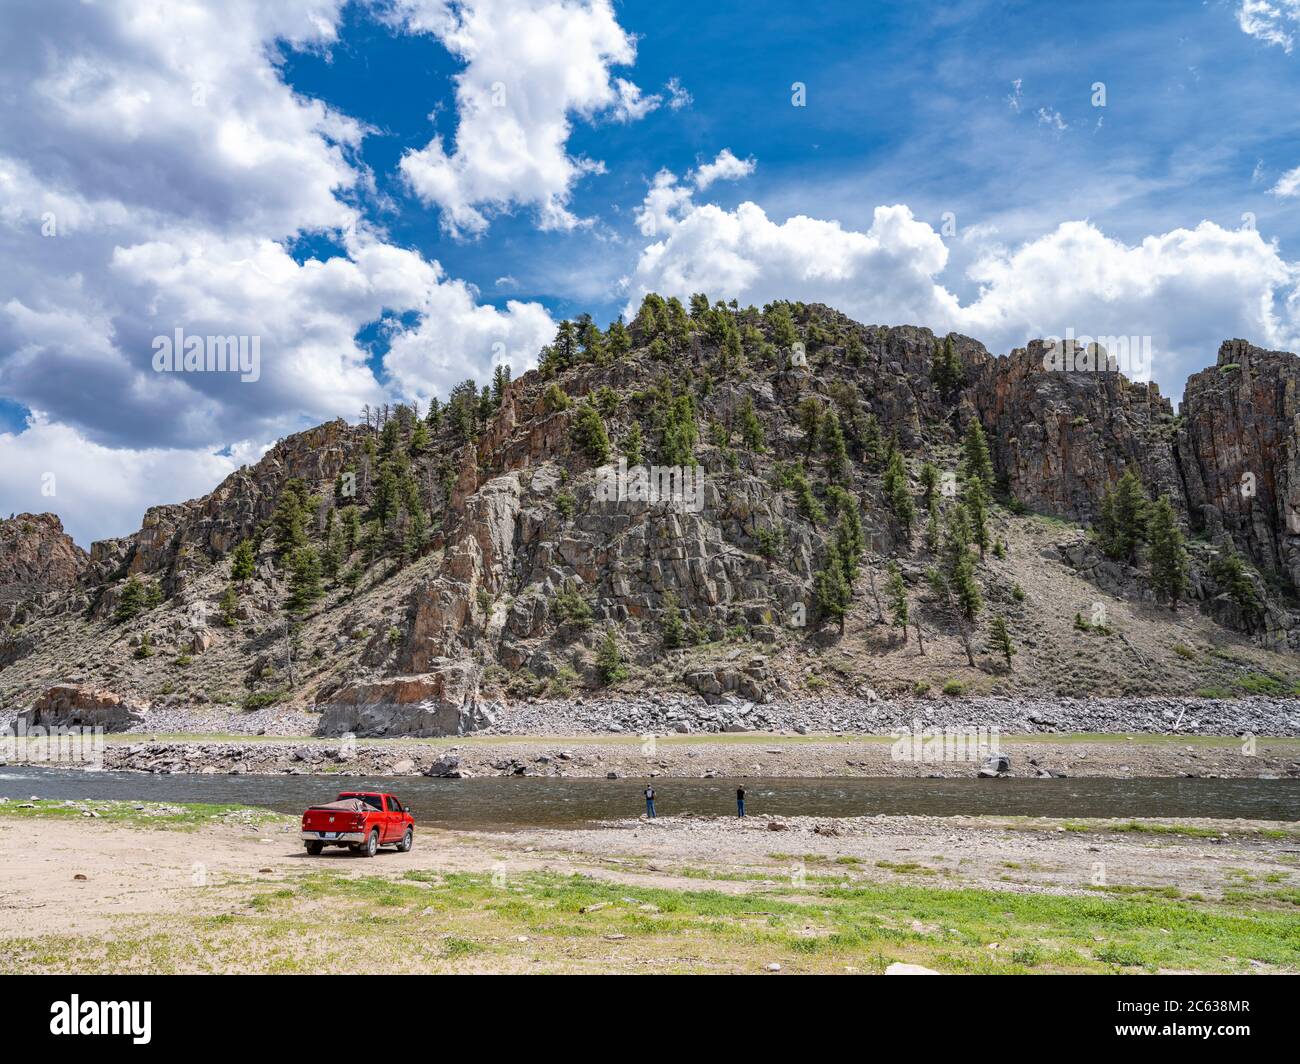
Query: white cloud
point(668, 200)
point(726, 167)
point(1288, 184)
point(883, 275)
point(1185, 289)
point(150, 180)
point(678, 97)
point(1271, 21)
point(101, 491)
point(531, 66)
point(1048, 117)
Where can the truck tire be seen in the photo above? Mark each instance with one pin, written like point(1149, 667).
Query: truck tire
point(372, 844)
point(314, 848)
point(408, 840)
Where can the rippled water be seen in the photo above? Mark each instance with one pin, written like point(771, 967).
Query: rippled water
point(512, 802)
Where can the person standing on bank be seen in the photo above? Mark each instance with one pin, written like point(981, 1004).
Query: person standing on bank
point(649, 801)
point(740, 800)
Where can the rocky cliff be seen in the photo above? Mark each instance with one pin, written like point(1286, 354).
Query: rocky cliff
point(493, 549)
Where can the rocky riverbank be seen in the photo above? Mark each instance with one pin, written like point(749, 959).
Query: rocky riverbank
point(705, 757)
point(676, 714)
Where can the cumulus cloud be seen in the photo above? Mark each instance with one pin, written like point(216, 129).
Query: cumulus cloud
point(531, 66)
point(726, 167)
point(1181, 288)
point(150, 181)
point(667, 198)
point(1271, 21)
point(100, 491)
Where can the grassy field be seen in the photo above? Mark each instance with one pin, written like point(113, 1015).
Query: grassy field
point(186, 816)
point(328, 922)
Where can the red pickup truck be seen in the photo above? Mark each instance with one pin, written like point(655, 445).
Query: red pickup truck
point(360, 820)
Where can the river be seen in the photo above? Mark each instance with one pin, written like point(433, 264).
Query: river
point(514, 802)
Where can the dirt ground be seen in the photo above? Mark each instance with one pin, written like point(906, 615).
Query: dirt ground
point(77, 876)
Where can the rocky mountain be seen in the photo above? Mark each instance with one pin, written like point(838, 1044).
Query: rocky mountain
point(412, 573)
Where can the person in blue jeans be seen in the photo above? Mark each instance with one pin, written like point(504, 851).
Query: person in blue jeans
point(650, 801)
point(740, 801)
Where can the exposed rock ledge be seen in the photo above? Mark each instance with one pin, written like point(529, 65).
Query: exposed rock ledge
point(70, 705)
point(430, 704)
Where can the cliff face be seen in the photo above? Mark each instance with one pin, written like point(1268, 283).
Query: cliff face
point(177, 541)
point(1062, 438)
point(36, 554)
point(465, 587)
point(1238, 451)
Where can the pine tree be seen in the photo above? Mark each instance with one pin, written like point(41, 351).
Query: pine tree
point(609, 660)
point(872, 442)
point(671, 626)
point(617, 340)
point(782, 326)
point(975, 500)
point(133, 601)
point(332, 554)
point(680, 433)
point(589, 433)
point(809, 414)
point(929, 482)
point(849, 540)
point(832, 438)
point(805, 500)
point(1125, 515)
point(228, 605)
point(304, 581)
point(896, 594)
point(976, 462)
point(632, 444)
point(946, 369)
point(569, 607)
point(1000, 639)
point(833, 592)
point(500, 382)
point(751, 429)
point(1232, 579)
point(1168, 556)
point(953, 580)
point(289, 519)
point(898, 494)
point(243, 564)
point(419, 439)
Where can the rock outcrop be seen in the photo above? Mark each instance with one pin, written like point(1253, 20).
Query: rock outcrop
point(1238, 451)
point(69, 705)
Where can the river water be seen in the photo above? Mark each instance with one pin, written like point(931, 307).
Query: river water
point(514, 802)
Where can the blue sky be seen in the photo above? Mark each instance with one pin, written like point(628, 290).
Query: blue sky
point(396, 194)
point(908, 103)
